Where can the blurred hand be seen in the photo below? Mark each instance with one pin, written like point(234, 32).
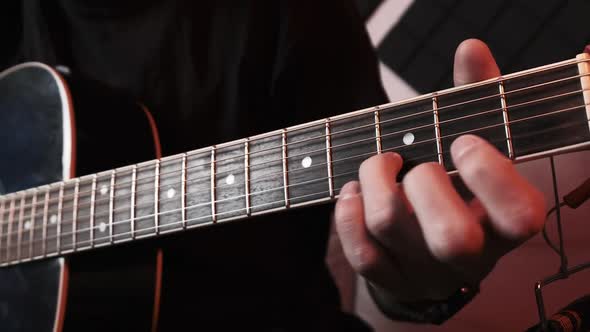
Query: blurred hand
point(419, 239)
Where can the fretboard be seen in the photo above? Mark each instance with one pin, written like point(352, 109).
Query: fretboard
point(525, 115)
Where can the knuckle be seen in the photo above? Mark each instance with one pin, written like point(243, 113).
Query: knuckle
point(345, 221)
point(380, 222)
point(365, 260)
point(341, 214)
point(384, 160)
point(477, 169)
point(421, 169)
point(474, 167)
point(368, 163)
point(527, 218)
point(453, 243)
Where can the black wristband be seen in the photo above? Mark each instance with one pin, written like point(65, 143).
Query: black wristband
point(426, 311)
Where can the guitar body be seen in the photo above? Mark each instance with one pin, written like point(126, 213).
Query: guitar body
point(49, 136)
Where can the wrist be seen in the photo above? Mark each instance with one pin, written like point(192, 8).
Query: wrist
point(422, 311)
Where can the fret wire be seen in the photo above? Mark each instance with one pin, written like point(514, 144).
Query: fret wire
point(45, 208)
point(59, 215)
point(247, 174)
point(112, 205)
point(157, 196)
point(584, 70)
point(75, 213)
point(378, 131)
point(439, 147)
point(418, 113)
point(2, 226)
point(32, 223)
point(183, 191)
point(329, 158)
point(20, 227)
point(506, 119)
point(9, 235)
point(92, 207)
point(285, 166)
point(270, 203)
point(132, 207)
point(213, 211)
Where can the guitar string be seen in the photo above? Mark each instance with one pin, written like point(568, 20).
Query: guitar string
point(64, 235)
point(66, 221)
point(272, 175)
point(322, 137)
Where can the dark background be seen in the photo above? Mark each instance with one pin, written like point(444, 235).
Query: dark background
point(522, 34)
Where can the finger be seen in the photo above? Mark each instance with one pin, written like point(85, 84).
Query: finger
point(474, 62)
point(515, 208)
point(363, 253)
point(383, 200)
point(450, 230)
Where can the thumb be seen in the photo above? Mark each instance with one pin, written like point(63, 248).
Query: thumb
point(474, 62)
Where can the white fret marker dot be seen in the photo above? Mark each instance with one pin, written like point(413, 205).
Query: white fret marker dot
point(306, 162)
point(104, 189)
point(230, 179)
point(171, 192)
point(53, 219)
point(27, 225)
point(409, 138)
point(102, 227)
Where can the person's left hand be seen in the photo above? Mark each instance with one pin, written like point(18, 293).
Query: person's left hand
point(419, 240)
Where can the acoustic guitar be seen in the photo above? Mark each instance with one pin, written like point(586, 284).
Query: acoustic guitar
point(67, 242)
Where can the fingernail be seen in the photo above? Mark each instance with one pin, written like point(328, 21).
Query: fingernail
point(463, 144)
point(351, 189)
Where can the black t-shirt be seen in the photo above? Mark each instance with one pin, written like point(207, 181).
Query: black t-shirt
point(214, 71)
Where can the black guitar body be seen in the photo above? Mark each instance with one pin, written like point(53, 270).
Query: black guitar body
point(50, 131)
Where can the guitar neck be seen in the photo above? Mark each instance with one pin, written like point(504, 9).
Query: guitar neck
point(526, 115)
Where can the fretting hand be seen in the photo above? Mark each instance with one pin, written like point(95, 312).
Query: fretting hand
point(419, 240)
